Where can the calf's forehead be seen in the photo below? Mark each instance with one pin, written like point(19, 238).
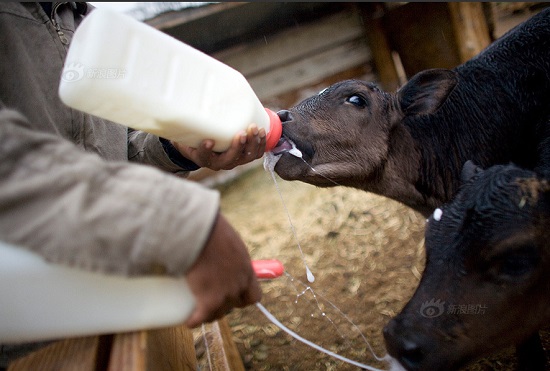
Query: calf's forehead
point(491, 207)
point(334, 93)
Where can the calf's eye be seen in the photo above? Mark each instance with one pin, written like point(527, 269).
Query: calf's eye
point(517, 264)
point(357, 100)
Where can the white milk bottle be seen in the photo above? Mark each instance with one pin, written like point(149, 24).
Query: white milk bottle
point(126, 71)
point(44, 301)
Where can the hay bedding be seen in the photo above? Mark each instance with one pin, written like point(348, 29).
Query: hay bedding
point(365, 251)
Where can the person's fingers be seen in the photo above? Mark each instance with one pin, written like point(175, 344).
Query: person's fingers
point(262, 143)
point(204, 154)
point(252, 295)
point(245, 147)
point(204, 314)
point(255, 144)
point(213, 311)
point(229, 158)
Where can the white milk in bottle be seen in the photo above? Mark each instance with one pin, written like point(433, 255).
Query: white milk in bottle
point(44, 301)
point(126, 71)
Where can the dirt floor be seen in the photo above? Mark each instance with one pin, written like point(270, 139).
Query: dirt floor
point(366, 253)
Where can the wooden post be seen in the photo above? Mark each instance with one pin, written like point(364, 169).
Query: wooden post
point(223, 353)
point(470, 28)
point(372, 14)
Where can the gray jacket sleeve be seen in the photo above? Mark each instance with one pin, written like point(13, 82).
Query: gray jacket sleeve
point(147, 149)
point(77, 209)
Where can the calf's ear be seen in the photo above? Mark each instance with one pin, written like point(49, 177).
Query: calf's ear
point(426, 91)
point(469, 170)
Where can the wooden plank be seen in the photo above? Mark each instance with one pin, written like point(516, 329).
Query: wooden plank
point(172, 19)
point(128, 352)
point(291, 98)
point(470, 28)
point(171, 349)
point(293, 44)
point(66, 355)
point(164, 349)
point(308, 71)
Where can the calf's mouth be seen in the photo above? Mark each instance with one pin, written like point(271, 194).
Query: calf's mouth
point(294, 147)
point(282, 146)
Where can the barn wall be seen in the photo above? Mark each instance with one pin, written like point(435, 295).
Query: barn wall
point(302, 57)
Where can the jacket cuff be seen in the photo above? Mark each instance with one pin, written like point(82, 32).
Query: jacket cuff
point(176, 157)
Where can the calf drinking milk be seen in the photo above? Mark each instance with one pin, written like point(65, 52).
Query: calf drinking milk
point(486, 284)
point(411, 145)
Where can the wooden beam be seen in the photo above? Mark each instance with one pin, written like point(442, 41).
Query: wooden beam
point(310, 70)
point(128, 352)
point(171, 349)
point(294, 44)
point(66, 355)
point(164, 349)
point(171, 19)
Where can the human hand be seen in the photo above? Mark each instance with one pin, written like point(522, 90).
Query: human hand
point(222, 277)
point(245, 147)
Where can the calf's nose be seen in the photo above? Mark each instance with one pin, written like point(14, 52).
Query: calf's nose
point(285, 115)
point(405, 349)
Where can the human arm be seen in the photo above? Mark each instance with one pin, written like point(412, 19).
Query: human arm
point(218, 280)
point(74, 208)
